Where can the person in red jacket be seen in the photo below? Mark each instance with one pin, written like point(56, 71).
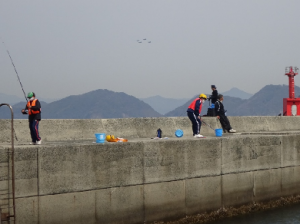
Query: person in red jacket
point(193, 113)
point(33, 109)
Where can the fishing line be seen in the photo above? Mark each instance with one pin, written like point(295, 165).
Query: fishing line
point(17, 76)
point(14, 68)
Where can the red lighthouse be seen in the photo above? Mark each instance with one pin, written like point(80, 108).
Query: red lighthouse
point(291, 105)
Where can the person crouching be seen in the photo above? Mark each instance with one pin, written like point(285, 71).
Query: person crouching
point(193, 112)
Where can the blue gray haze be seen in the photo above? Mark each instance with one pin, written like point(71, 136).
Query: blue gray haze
point(71, 47)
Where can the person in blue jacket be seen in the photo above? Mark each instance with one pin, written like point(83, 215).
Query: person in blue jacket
point(193, 112)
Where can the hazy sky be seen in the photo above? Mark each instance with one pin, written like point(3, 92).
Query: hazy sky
point(70, 47)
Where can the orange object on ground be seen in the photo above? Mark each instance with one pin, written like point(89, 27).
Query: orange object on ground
point(118, 140)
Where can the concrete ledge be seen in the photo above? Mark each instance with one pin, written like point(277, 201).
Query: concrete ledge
point(71, 129)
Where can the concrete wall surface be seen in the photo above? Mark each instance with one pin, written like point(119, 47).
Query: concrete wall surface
point(68, 129)
point(146, 181)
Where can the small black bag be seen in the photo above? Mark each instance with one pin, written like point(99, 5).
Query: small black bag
point(159, 133)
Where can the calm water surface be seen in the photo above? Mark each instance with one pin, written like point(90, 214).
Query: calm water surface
point(286, 215)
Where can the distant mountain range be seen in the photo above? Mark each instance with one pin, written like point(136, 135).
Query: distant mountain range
point(163, 105)
point(235, 92)
point(231, 102)
point(11, 99)
point(95, 104)
point(266, 102)
point(108, 104)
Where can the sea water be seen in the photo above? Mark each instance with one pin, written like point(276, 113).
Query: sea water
point(283, 215)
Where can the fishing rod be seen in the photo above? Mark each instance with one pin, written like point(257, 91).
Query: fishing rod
point(18, 79)
point(15, 70)
point(207, 125)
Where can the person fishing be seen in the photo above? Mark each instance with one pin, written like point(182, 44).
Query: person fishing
point(193, 112)
point(33, 109)
point(220, 112)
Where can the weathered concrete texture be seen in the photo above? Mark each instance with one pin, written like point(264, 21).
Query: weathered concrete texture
point(203, 194)
point(27, 210)
point(237, 189)
point(290, 180)
point(67, 208)
point(145, 180)
point(70, 129)
point(26, 172)
point(120, 205)
point(77, 168)
point(87, 167)
point(267, 184)
point(164, 201)
point(290, 150)
point(251, 153)
point(261, 124)
point(174, 160)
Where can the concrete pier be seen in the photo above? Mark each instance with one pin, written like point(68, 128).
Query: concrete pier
point(70, 179)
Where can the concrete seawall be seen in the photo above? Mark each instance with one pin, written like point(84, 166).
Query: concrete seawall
point(147, 180)
point(72, 129)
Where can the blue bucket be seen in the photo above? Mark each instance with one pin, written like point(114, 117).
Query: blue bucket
point(178, 133)
point(219, 132)
point(100, 137)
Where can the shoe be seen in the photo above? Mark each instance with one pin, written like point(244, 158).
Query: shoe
point(198, 136)
point(32, 143)
point(39, 142)
point(232, 131)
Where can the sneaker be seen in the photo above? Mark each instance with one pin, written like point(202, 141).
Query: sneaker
point(32, 143)
point(232, 131)
point(198, 136)
point(39, 142)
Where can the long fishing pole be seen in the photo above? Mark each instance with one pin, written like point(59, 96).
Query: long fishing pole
point(15, 70)
point(17, 76)
point(207, 125)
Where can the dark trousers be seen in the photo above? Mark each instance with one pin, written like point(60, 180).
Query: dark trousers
point(196, 123)
point(34, 130)
point(225, 122)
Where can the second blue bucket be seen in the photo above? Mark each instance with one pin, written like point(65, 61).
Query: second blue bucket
point(219, 132)
point(178, 133)
point(100, 137)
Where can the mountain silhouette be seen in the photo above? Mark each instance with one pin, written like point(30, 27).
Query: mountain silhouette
point(229, 102)
point(266, 102)
point(108, 104)
point(162, 104)
point(95, 104)
point(235, 92)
